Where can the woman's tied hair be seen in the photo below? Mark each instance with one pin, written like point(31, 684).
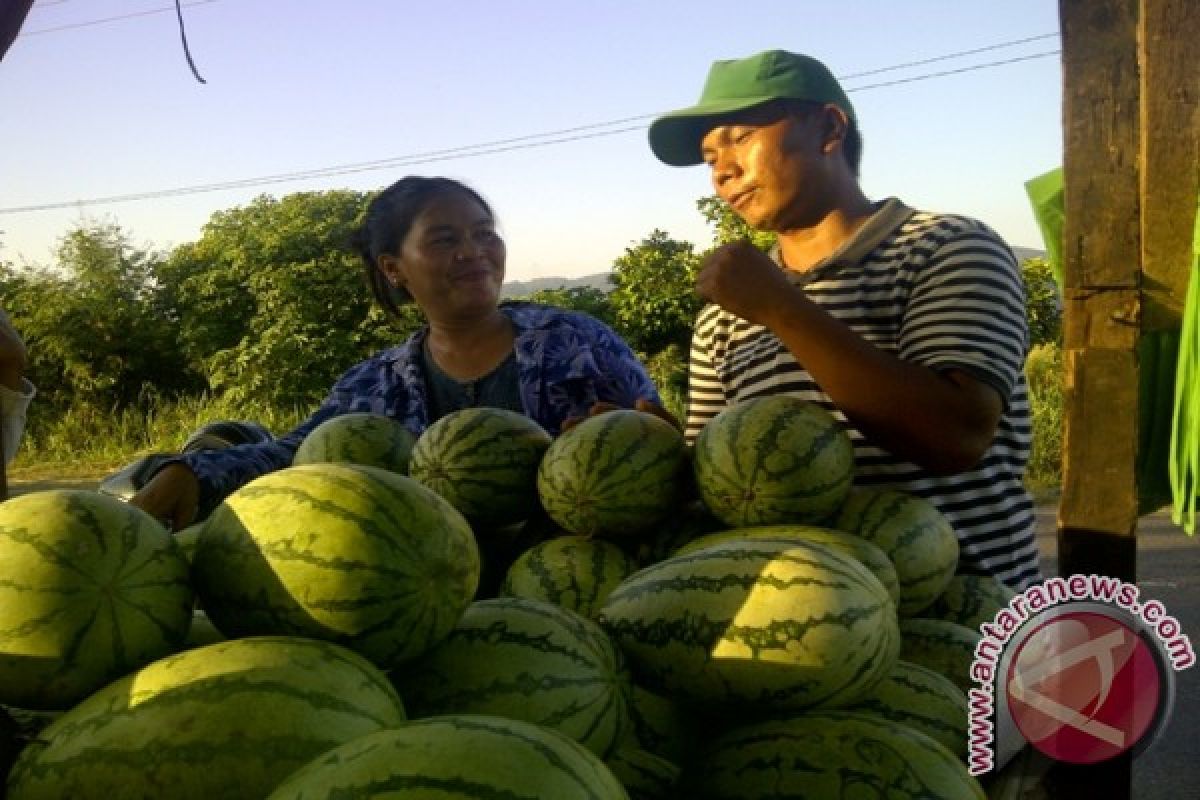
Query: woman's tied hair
point(388, 219)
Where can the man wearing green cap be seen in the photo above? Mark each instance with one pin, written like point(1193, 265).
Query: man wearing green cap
point(908, 325)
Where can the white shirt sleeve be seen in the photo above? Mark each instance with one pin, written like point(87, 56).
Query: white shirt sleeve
point(13, 406)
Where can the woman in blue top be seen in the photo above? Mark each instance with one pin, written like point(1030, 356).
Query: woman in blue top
point(433, 241)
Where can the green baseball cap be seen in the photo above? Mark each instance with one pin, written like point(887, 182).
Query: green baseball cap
point(737, 85)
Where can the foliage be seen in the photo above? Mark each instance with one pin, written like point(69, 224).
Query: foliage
point(728, 226)
point(1044, 374)
point(1043, 303)
point(586, 299)
point(272, 304)
point(654, 299)
point(98, 327)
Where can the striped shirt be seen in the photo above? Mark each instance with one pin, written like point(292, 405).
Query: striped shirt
point(934, 289)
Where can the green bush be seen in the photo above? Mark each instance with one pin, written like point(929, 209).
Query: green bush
point(1044, 373)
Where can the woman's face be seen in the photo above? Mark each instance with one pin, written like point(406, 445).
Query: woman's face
point(452, 260)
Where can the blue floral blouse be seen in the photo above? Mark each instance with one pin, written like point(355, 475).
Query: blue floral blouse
point(566, 362)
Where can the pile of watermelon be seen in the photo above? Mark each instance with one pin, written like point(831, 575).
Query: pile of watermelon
point(487, 611)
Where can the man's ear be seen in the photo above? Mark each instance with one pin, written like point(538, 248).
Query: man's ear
point(835, 127)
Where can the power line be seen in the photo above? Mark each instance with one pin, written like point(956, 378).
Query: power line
point(105, 20)
point(465, 151)
point(948, 56)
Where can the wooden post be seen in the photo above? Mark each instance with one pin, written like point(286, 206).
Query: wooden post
point(1131, 123)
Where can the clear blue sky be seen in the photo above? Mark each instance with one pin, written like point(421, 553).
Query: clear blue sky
point(292, 85)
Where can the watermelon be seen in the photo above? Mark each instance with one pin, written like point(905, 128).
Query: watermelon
point(615, 475)
point(970, 600)
point(947, 648)
point(187, 539)
point(660, 725)
point(90, 588)
point(354, 555)
point(857, 547)
point(771, 460)
point(569, 571)
point(685, 523)
point(484, 461)
point(372, 440)
point(916, 537)
point(527, 660)
point(228, 720)
point(645, 776)
point(759, 625)
point(202, 632)
point(10, 744)
point(456, 756)
point(921, 699)
point(829, 754)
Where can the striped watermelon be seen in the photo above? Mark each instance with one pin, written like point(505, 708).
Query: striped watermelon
point(829, 754)
point(10, 745)
point(229, 720)
point(463, 756)
point(645, 776)
point(187, 539)
point(914, 534)
point(685, 523)
point(761, 625)
point(372, 440)
point(90, 588)
point(615, 475)
point(947, 648)
point(355, 555)
point(484, 461)
point(970, 600)
point(202, 632)
point(856, 547)
point(574, 572)
point(923, 700)
point(528, 660)
point(773, 459)
point(660, 725)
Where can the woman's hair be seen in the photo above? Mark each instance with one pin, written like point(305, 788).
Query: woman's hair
point(386, 224)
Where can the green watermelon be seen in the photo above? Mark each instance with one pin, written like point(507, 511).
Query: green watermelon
point(685, 523)
point(921, 699)
point(970, 600)
point(757, 625)
point(614, 475)
point(528, 660)
point(484, 461)
point(187, 539)
point(771, 460)
point(645, 776)
point(10, 745)
point(947, 648)
point(462, 756)
point(372, 440)
point(857, 547)
point(574, 572)
point(355, 555)
point(660, 725)
point(91, 588)
point(829, 754)
point(202, 632)
point(914, 534)
point(229, 720)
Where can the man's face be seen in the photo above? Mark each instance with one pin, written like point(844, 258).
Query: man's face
point(769, 168)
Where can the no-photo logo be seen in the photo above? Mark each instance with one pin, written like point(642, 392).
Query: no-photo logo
point(1084, 687)
point(1081, 668)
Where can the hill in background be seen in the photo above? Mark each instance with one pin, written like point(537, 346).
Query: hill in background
point(599, 280)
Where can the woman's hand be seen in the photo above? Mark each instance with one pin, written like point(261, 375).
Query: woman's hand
point(641, 405)
point(172, 496)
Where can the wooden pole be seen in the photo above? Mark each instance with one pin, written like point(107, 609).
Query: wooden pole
point(1131, 123)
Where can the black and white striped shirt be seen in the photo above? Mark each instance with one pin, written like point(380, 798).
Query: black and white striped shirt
point(939, 290)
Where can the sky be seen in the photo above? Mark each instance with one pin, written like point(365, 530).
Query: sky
point(541, 105)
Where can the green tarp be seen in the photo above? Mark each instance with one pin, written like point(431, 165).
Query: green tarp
point(1168, 464)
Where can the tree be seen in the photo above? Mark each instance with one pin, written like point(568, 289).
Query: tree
point(587, 299)
point(96, 327)
point(272, 304)
point(1043, 303)
point(728, 226)
point(654, 299)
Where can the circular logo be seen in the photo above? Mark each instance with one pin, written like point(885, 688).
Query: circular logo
point(1085, 686)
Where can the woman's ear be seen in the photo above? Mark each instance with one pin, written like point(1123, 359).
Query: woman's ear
point(389, 266)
